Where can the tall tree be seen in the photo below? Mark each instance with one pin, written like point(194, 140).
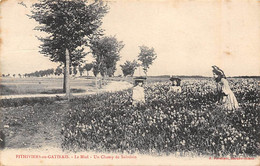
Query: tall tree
point(106, 51)
point(128, 68)
point(146, 56)
point(70, 24)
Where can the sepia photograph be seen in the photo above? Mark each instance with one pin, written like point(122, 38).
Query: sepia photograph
point(129, 82)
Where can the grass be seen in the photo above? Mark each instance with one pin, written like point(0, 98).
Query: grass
point(33, 123)
point(16, 86)
point(4, 90)
point(4, 103)
point(56, 91)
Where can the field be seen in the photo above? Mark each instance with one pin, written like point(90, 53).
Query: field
point(37, 85)
point(189, 123)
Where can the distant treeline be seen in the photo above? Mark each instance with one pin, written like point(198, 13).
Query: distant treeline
point(179, 76)
point(246, 77)
point(198, 76)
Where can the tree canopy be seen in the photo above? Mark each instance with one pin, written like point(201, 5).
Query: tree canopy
point(88, 67)
point(146, 56)
point(69, 24)
point(128, 68)
point(106, 51)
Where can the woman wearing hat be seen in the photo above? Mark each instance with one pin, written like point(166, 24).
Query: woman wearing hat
point(175, 87)
point(138, 91)
point(226, 96)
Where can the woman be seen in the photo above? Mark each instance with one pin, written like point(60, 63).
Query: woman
point(176, 88)
point(138, 91)
point(226, 96)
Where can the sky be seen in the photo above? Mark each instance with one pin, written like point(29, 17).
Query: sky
point(188, 36)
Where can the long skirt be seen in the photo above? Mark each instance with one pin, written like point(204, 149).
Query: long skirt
point(230, 102)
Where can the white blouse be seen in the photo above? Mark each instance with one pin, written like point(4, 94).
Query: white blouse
point(175, 89)
point(138, 94)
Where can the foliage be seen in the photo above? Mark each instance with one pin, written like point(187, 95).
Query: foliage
point(75, 71)
point(88, 67)
point(81, 70)
point(106, 52)
point(95, 69)
point(186, 122)
point(128, 68)
point(58, 71)
point(146, 56)
point(40, 73)
point(69, 24)
point(27, 101)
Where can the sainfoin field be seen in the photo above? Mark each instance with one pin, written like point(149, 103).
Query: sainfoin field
point(187, 123)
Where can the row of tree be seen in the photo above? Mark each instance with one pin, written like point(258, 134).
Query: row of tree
point(13, 75)
point(73, 25)
point(105, 62)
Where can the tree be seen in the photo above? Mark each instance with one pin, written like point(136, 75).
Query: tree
point(70, 24)
point(81, 70)
point(146, 56)
point(95, 69)
point(88, 67)
point(75, 71)
point(128, 68)
point(106, 53)
point(58, 71)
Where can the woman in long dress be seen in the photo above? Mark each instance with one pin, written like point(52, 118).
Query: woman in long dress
point(226, 96)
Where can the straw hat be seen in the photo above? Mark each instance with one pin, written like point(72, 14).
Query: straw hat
point(139, 79)
point(218, 71)
point(175, 79)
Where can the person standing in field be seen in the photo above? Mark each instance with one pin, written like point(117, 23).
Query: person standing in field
point(138, 91)
point(226, 96)
point(175, 87)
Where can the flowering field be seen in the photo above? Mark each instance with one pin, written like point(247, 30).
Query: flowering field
point(187, 123)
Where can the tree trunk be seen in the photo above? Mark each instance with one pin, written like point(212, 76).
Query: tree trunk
point(96, 82)
point(64, 78)
point(66, 81)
